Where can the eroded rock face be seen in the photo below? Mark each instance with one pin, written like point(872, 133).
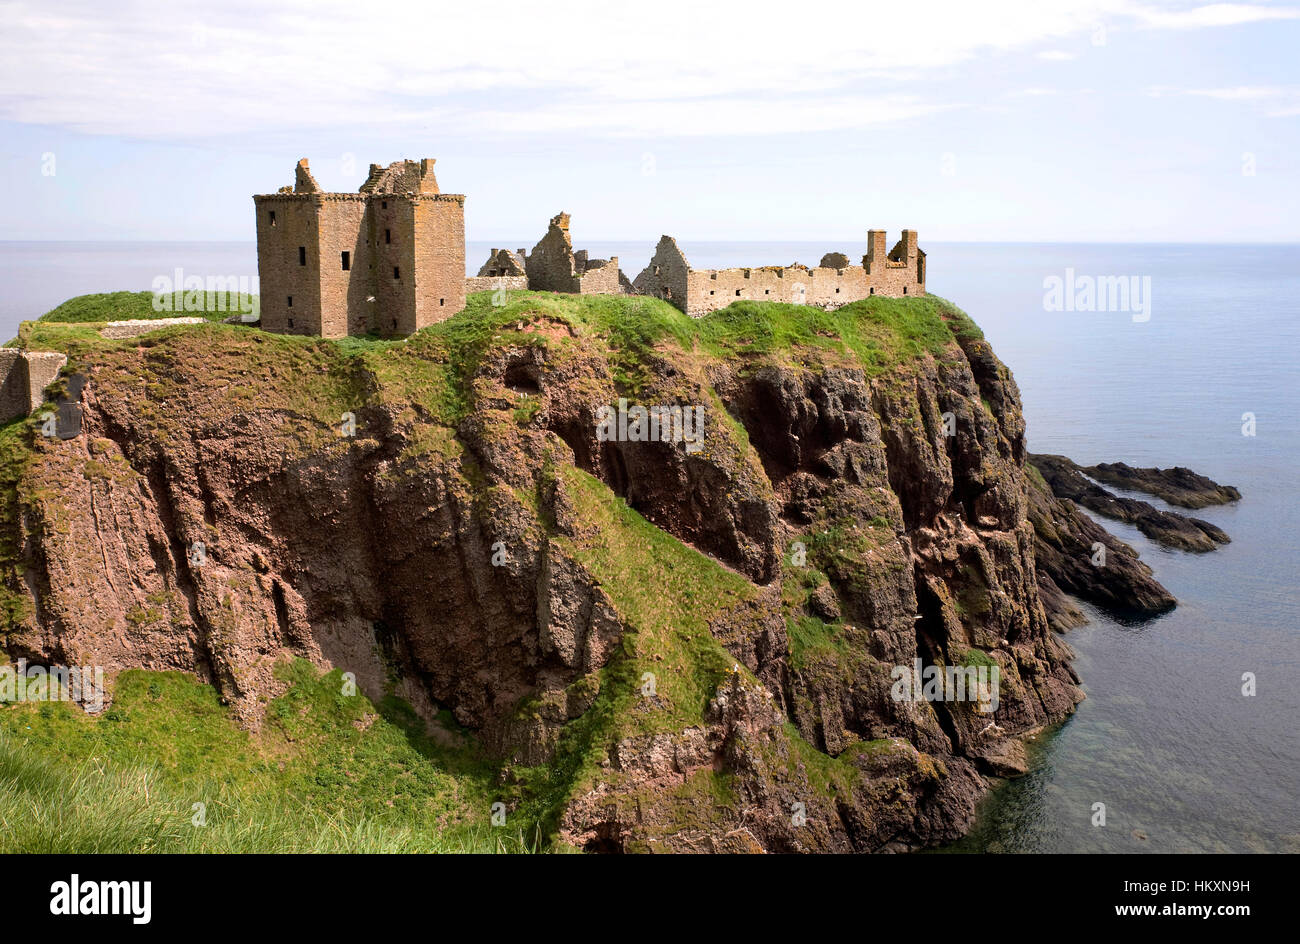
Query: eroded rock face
point(872, 520)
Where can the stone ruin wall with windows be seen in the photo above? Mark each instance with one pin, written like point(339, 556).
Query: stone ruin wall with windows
point(833, 283)
point(387, 260)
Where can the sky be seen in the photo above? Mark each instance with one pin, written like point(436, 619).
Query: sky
point(1057, 120)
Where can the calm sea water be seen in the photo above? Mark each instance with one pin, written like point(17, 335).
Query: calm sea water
point(1181, 759)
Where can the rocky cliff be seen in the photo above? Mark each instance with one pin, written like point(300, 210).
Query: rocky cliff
point(661, 647)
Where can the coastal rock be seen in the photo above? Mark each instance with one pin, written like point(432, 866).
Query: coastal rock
point(1178, 486)
point(1066, 544)
point(1166, 528)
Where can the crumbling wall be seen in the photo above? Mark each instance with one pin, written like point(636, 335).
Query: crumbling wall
point(503, 262)
point(24, 375)
point(901, 271)
point(600, 277)
point(492, 283)
point(550, 265)
point(667, 276)
point(834, 283)
point(553, 266)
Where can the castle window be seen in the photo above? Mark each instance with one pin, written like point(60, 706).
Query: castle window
point(442, 301)
point(737, 293)
point(290, 301)
point(302, 255)
point(388, 235)
point(397, 273)
point(290, 322)
point(873, 290)
point(837, 291)
point(767, 291)
point(904, 289)
point(383, 205)
point(656, 270)
point(272, 217)
point(347, 260)
point(712, 292)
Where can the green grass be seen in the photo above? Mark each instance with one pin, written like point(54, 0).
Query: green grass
point(326, 773)
point(123, 306)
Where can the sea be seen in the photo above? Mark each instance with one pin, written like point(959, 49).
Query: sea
point(1188, 740)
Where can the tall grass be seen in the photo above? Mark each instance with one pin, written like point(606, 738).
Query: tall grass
point(51, 805)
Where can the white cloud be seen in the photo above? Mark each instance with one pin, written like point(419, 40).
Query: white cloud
point(1271, 101)
point(676, 68)
point(1213, 14)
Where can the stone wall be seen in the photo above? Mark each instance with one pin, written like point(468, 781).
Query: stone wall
point(503, 262)
point(553, 266)
point(439, 261)
point(290, 282)
point(24, 375)
point(485, 283)
point(834, 283)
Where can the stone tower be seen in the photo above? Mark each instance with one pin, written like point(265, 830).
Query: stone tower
point(387, 260)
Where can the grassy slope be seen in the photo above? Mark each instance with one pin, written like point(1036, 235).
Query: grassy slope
point(328, 772)
point(312, 779)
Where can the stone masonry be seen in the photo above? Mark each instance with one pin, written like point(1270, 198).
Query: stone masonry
point(387, 260)
point(553, 266)
point(831, 284)
point(24, 375)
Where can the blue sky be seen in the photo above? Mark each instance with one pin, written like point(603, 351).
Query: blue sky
point(1105, 120)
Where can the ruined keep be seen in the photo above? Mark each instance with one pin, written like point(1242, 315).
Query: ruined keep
point(834, 282)
point(387, 260)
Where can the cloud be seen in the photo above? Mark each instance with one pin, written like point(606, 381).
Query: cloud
point(1056, 55)
point(203, 70)
point(1214, 14)
point(1271, 101)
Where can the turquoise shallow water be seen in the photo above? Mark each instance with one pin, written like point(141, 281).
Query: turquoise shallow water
point(1183, 762)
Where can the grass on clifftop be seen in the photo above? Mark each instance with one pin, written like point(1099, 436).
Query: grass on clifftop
point(327, 773)
point(125, 306)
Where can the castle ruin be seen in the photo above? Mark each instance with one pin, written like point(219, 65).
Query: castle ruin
point(387, 260)
point(390, 260)
point(834, 282)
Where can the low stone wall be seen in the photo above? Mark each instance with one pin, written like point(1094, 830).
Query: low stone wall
point(490, 283)
point(24, 375)
point(136, 326)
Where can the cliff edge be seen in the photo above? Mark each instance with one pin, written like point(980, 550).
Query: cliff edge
point(662, 642)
